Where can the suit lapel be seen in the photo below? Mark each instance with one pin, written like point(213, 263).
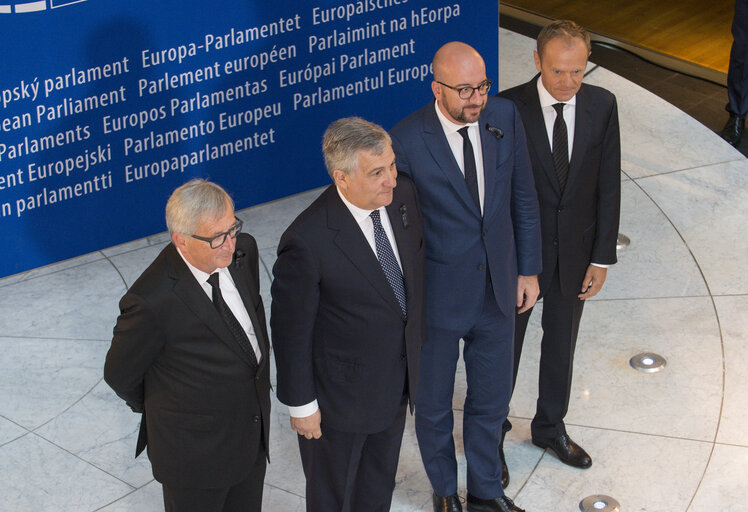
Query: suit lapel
point(398, 213)
point(536, 133)
point(240, 281)
point(489, 147)
point(191, 293)
point(352, 242)
point(582, 125)
point(436, 142)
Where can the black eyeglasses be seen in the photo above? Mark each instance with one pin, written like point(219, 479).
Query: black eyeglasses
point(220, 239)
point(467, 92)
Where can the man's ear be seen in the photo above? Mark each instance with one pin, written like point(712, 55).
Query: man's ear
point(179, 239)
point(339, 178)
point(436, 88)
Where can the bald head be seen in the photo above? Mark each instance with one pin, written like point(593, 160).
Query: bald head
point(458, 66)
point(456, 58)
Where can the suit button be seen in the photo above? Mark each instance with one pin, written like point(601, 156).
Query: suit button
point(480, 267)
point(555, 242)
point(403, 357)
point(256, 419)
point(560, 209)
point(485, 232)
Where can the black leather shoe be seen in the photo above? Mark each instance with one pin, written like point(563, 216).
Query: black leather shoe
point(502, 504)
point(504, 468)
point(733, 130)
point(448, 504)
point(568, 452)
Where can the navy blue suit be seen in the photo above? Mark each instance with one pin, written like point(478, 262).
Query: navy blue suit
point(472, 263)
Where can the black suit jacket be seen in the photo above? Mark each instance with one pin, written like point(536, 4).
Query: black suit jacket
point(580, 226)
point(206, 407)
point(338, 332)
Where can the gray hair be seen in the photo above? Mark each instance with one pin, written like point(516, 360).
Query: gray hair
point(196, 200)
point(345, 137)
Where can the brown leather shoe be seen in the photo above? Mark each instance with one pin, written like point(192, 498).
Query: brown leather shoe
point(448, 504)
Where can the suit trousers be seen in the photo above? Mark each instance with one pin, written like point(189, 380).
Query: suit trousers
point(241, 497)
point(352, 472)
point(560, 322)
point(488, 360)
point(737, 71)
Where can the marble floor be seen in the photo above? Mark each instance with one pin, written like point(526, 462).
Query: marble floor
point(671, 441)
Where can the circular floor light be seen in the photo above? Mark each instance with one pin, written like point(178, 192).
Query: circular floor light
point(648, 362)
point(599, 503)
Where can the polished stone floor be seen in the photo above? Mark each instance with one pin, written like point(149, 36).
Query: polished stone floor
point(672, 441)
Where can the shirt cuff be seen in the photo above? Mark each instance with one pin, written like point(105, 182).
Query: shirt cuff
point(302, 411)
point(601, 265)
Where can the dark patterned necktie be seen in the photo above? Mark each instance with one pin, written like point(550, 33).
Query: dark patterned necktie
point(560, 146)
point(387, 260)
point(471, 173)
point(233, 324)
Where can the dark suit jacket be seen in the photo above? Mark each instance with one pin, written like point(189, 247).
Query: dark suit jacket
point(206, 407)
point(460, 244)
point(338, 332)
point(579, 226)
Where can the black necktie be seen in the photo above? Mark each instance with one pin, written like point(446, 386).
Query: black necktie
point(387, 260)
point(233, 324)
point(560, 146)
point(471, 174)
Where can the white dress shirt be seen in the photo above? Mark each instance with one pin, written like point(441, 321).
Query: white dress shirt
point(364, 222)
point(230, 296)
point(455, 141)
point(549, 116)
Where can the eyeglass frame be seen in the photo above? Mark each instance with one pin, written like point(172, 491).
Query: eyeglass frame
point(236, 228)
point(487, 83)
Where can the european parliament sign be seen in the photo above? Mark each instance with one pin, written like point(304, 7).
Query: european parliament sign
point(107, 106)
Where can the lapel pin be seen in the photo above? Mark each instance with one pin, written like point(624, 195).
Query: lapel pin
point(404, 215)
point(239, 258)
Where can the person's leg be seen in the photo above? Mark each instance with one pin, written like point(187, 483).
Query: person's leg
point(247, 494)
point(561, 316)
point(330, 464)
point(488, 355)
point(737, 76)
point(177, 499)
point(434, 420)
point(375, 479)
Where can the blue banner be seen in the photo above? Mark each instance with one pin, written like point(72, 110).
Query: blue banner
point(107, 106)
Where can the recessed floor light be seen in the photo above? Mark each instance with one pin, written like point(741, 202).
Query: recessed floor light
point(648, 362)
point(599, 503)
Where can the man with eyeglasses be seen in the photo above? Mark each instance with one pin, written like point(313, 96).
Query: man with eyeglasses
point(190, 352)
point(467, 155)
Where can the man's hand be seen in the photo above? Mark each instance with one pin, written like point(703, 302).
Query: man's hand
point(593, 281)
point(528, 290)
point(308, 426)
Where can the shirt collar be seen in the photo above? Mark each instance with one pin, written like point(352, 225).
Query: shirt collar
point(201, 276)
point(359, 214)
point(448, 126)
point(546, 100)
